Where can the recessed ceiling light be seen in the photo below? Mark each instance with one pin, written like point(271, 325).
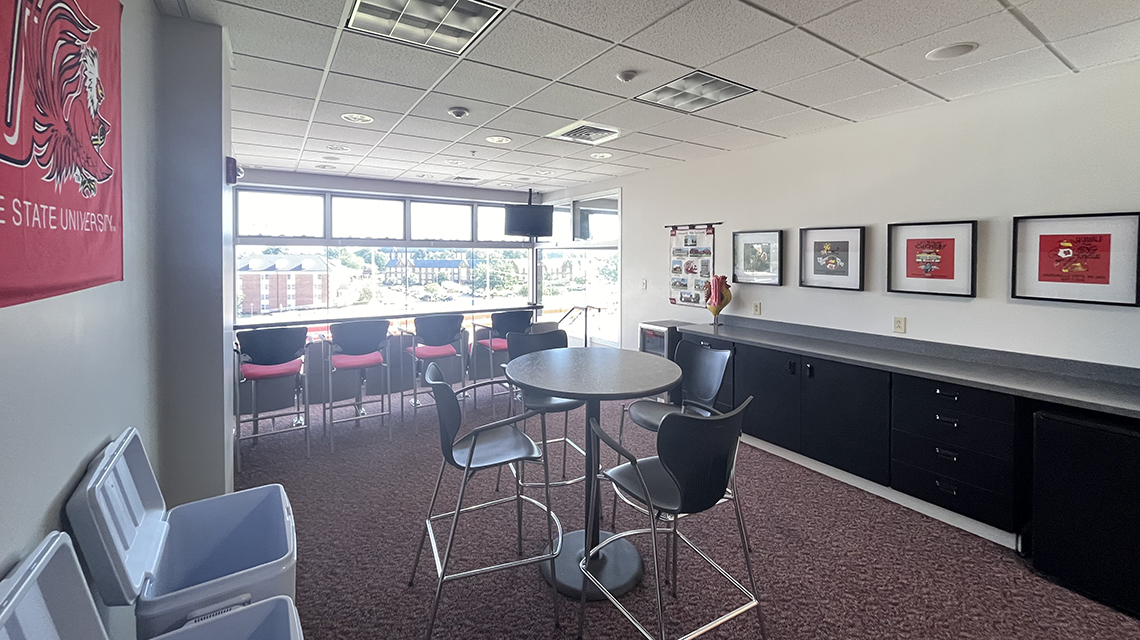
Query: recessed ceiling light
point(338, 147)
point(694, 92)
point(447, 25)
point(330, 158)
point(601, 155)
point(952, 51)
point(543, 172)
point(498, 139)
point(326, 167)
point(356, 118)
point(504, 184)
point(424, 175)
point(455, 163)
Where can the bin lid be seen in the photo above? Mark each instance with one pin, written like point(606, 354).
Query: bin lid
point(118, 516)
point(46, 596)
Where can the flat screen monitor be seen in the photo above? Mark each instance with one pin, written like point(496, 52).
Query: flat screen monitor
point(530, 220)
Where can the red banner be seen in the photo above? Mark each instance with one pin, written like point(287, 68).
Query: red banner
point(61, 194)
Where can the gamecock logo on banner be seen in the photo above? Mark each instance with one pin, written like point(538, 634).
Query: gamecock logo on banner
point(60, 154)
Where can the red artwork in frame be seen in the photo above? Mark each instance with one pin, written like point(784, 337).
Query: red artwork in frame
point(1075, 258)
point(930, 258)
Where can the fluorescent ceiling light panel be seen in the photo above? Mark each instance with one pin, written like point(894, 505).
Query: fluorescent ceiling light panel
point(694, 92)
point(444, 25)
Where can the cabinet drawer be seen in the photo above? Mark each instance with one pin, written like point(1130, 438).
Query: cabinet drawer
point(953, 397)
point(958, 463)
point(955, 495)
point(955, 428)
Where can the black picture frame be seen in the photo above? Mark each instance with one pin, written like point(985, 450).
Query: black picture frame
point(1132, 255)
point(862, 267)
point(973, 263)
point(779, 257)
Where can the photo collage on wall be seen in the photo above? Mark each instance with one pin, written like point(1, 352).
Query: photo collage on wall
point(690, 264)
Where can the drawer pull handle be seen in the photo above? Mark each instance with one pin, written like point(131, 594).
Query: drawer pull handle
point(953, 396)
point(953, 422)
point(810, 370)
point(946, 487)
point(946, 453)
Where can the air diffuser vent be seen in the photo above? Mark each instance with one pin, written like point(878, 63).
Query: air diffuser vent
point(443, 25)
point(587, 132)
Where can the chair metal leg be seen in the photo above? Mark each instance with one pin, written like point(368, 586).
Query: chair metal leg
point(673, 535)
point(358, 408)
point(549, 523)
point(308, 421)
point(253, 403)
point(657, 573)
point(565, 435)
point(518, 507)
point(621, 431)
point(591, 477)
point(450, 542)
point(747, 558)
point(423, 533)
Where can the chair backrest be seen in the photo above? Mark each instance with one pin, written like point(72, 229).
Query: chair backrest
point(700, 453)
point(359, 337)
point(543, 327)
point(272, 346)
point(506, 322)
point(448, 409)
point(702, 371)
point(438, 330)
point(520, 344)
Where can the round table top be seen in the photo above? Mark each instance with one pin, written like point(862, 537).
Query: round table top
point(595, 373)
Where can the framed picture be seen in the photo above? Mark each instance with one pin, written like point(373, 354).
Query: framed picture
point(1089, 258)
point(832, 257)
point(758, 257)
point(936, 258)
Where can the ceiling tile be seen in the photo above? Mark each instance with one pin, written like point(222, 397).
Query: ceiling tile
point(570, 164)
point(329, 157)
point(1060, 19)
point(873, 25)
point(687, 151)
point(646, 161)
point(634, 116)
point(801, 11)
point(414, 176)
point(261, 150)
point(639, 142)
point(688, 128)
point(311, 167)
point(386, 96)
point(799, 122)
point(346, 134)
point(1114, 44)
point(435, 106)
point(330, 113)
point(544, 173)
point(529, 122)
point(600, 74)
point(268, 124)
point(750, 109)
point(901, 97)
point(436, 129)
point(997, 35)
point(445, 160)
point(844, 81)
point(322, 146)
point(437, 170)
point(705, 31)
point(605, 18)
point(270, 103)
point(482, 152)
point(387, 61)
point(483, 175)
point(569, 101)
point(737, 139)
point(524, 44)
point(503, 167)
point(1019, 68)
point(615, 154)
point(267, 139)
point(374, 172)
point(784, 58)
point(479, 136)
point(552, 147)
point(261, 162)
point(413, 143)
point(614, 170)
point(583, 176)
point(490, 84)
point(400, 165)
point(526, 179)
point(278, 77)
point(268, 35)
point(522, 157)
point(389, 153)
point(327, 12)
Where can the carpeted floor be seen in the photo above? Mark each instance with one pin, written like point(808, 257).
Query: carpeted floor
point(832, 561)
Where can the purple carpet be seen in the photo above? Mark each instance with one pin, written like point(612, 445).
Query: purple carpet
point(831, 560)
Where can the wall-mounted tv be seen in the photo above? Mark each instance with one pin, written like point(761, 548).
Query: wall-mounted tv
point(530, 220)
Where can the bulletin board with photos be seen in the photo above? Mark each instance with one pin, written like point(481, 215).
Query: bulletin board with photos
point(690, 263)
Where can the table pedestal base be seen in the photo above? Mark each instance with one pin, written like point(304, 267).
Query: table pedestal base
point(618, 566)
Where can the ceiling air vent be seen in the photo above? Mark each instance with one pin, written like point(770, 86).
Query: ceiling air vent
point(466, 179)
point(444, 25)
point(587, 132)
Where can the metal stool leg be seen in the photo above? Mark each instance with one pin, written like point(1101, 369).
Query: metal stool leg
point(657, 572)
point(747, 558)
point(549, 523)
point(308, 421)
point(621, 432)
point(450, 542)
point(565, 436)
point(591, 477)
point(423, 533)
point(253, 403)
point(673, 535)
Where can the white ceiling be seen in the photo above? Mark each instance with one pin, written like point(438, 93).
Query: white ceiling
point(545, 63)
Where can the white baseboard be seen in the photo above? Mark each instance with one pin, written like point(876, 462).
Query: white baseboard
point(993, 534)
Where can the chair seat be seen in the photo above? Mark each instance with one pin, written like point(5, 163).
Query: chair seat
point(496, 446)
point(425, 352)
point(496, 344)
point(649, 414)
point(251, 371)
point(346, 361)
point(666, 495)
point(549, 404)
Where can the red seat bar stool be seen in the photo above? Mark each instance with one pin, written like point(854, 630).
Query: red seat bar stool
point(440, 339)
point(271, 383)
point(492, 341)
point(357, 347)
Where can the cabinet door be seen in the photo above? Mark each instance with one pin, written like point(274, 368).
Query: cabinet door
point(772, 378)
point(724, 399)
point(845, 417)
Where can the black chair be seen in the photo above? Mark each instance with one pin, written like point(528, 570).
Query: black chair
point(491, 445)
point(357, 347)
point(693, 471)
point(440, 339)
point(492, 340)
point(270, 361)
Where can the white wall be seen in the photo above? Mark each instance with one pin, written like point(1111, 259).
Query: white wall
point(1070, 145)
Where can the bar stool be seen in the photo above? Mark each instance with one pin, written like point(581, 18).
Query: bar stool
point(494, 343)
point(357, 347)
point(438, 339)
point(271, 367)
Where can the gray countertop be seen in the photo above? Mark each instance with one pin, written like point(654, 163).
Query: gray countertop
point(1085, 393)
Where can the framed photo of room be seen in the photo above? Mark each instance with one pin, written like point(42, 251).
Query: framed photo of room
point(1092, 258)
point(832, 257)
point(935, 258)
point(758, 257)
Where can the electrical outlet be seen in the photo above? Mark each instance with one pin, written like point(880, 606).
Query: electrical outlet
point(755, 308)
point(644, 283)
point(900, 324)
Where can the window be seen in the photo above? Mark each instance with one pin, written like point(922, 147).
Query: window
point(492, 221)
point(439, 221)
point(264, 213)
point(367, 218)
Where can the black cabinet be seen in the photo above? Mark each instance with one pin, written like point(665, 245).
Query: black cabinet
point(724, 399)
point(772, 378)
point(845, 417)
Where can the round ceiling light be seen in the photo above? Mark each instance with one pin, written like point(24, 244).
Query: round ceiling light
point(455, 163)
point(601, 155)
point(326, 167)
point(424, 176)
point(498, 139)
point(952, 51)
point(356, 118)
point(504, 184)
point(330, 158)
point(338, 147)
point(543, 172)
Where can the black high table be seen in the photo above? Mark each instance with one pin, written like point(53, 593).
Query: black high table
point(594, 374)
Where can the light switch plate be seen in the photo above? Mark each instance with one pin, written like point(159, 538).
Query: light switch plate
point(644, 283)
point(900, 324)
